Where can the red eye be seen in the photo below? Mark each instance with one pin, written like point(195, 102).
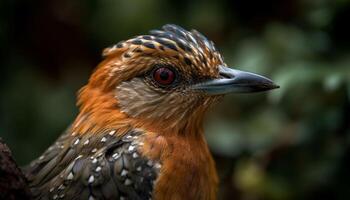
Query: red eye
point(164, 76)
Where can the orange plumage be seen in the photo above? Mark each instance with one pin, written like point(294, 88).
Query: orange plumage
point(140, 123)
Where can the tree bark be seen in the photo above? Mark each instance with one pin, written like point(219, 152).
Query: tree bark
point(13, 184)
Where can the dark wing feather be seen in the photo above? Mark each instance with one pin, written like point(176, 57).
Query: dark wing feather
point(93, 167)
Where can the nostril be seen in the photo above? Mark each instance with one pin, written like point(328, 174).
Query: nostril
point(226, 75)
point(225, 72)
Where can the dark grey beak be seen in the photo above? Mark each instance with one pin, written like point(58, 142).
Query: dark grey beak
point(235, 81)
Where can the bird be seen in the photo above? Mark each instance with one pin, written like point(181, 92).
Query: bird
point(139, 130)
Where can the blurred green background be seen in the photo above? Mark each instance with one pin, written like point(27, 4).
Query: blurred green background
point(291, 143)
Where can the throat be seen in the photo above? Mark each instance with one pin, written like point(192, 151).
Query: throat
point(186, 163)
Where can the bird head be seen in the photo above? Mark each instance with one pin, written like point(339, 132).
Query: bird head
point(167, 79)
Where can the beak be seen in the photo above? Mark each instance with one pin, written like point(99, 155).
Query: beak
point(235, 81)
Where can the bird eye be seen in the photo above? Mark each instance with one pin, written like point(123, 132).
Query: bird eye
point(164, 76)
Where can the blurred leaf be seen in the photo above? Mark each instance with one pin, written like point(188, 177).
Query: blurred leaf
point(224, 139)
point(332, 82)
point(249, 177)
point(251, 55)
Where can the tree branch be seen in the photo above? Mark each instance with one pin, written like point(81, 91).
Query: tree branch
point(13, 184)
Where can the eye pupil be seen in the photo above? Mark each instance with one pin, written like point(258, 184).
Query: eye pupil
point(164, 76)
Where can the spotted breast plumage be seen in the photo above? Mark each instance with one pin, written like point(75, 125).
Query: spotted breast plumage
point(139, 133)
